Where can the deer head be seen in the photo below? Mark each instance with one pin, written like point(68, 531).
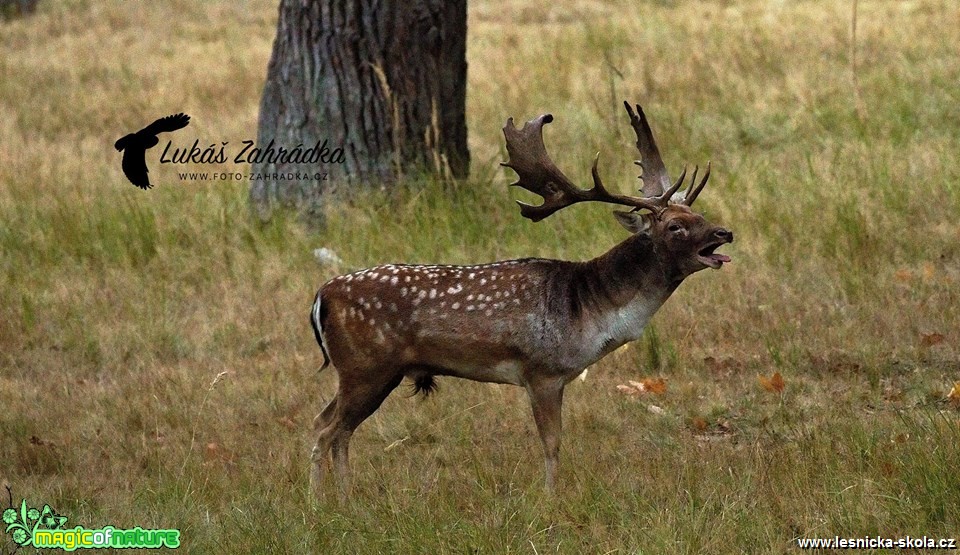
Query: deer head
point(681, 237)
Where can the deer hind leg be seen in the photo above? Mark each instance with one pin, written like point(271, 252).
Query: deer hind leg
point(354, 403)
point(546, 400)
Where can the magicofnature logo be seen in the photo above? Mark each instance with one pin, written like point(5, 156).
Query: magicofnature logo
point(24, 523)
point(45, 529)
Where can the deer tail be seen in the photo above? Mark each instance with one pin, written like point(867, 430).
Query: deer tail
point(317, 314)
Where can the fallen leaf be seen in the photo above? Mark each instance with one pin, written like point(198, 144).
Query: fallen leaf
point(656, 410)
point(887, 469)
point(954, 394)
point(215, 453)
point(628, 390)
point(773, 384)
point(287, 423)
point(212, 451)
point(928, 270)
point(699, 424)
point(903, 275)
point(656, 386)
point(931, 339)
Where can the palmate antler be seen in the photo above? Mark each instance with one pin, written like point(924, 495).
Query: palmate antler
point(538, 174)
point(654, 176)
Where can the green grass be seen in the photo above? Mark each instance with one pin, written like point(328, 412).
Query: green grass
point(157, 368)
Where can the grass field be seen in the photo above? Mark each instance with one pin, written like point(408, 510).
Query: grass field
point(157, 368)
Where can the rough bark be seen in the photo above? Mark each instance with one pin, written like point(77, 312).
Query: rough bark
point(10, 9)
point(383, 79)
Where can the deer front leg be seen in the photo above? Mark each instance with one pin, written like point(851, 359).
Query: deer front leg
point(323, 419)
point(319, 456)
point(546, 398)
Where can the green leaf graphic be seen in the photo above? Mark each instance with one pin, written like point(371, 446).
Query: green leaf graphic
point(50, 520)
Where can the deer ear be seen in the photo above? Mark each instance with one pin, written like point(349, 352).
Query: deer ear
point(634, 222)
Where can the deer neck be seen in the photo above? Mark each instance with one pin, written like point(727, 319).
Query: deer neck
point(632, 268)
point(618, 292)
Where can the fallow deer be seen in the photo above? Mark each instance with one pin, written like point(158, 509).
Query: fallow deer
point(532, 322)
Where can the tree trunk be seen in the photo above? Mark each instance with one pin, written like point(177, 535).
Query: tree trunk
point(385, 80)
point(10, 9)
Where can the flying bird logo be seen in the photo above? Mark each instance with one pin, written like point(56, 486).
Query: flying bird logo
point(134, 147)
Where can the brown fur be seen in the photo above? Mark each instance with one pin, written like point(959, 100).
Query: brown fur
point(534, 323)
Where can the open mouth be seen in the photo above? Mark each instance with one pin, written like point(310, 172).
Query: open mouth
point(711, 258)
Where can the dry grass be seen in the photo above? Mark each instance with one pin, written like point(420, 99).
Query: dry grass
point(157, 369)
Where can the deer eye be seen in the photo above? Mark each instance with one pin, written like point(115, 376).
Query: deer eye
point(674, 227)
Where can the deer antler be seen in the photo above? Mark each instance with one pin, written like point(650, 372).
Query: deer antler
point(655, 177)
point(693, 193)
point(538, 174)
